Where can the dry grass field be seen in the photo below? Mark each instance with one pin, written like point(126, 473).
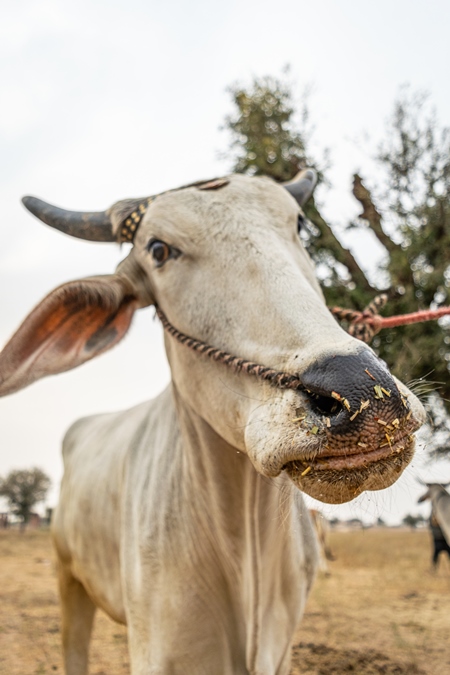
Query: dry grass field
point(380, 611)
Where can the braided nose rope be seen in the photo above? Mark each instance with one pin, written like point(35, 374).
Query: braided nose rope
point(275, 377)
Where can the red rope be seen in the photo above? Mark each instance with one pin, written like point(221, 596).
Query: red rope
point(364, 325)
point(414, 317)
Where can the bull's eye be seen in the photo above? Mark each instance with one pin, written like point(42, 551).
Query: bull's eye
point(159, 250)
point(300, 222)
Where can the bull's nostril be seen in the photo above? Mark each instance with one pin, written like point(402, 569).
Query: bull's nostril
point(324, 405)
point(344, 385)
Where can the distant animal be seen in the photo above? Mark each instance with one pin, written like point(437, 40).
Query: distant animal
point(439, 519)
point(183, 517)
point(322, 528)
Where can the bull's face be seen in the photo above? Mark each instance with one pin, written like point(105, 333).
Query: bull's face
point(226, 266)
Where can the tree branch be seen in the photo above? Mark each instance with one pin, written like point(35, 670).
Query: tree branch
point(370, 213)
point(328, 240)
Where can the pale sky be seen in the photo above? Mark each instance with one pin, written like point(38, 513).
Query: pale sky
point(106, 100)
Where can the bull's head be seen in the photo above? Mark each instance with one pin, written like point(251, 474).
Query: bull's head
point(434, 490)
point(224, 262)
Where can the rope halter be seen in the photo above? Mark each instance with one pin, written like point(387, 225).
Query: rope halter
point(363, 325)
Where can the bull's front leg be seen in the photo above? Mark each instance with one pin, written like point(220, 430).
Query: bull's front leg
point(77, 618)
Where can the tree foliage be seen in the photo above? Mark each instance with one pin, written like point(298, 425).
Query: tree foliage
point(265, 141)
point(409, 215)
point(412, 521)
point(24, 489)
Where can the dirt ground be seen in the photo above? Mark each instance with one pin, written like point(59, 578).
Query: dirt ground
point(379, 611)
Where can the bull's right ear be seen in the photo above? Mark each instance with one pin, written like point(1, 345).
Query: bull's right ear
point(75, 322)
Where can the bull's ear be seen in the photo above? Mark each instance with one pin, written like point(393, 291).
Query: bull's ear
point(74, 323)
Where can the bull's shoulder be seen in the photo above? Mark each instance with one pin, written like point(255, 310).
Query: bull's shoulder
point(114, 429)
point(98, 452)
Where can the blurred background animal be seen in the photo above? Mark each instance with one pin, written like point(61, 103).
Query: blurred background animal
point(439, 519)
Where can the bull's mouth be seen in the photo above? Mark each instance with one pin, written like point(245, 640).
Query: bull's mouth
point(339, 478)
point(355, 458)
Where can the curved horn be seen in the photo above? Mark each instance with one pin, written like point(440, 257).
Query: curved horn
point(94, 226)
point(302, 186)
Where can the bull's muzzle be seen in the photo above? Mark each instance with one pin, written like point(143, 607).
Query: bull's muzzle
point(363, 424)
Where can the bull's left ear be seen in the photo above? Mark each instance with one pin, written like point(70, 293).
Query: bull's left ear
point(75, 322)
point(302, 186)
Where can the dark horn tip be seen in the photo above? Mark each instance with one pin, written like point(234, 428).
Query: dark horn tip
point(46, 212)
point(35, 206)
point(29, 202)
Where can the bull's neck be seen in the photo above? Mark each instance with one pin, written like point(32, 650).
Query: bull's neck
point(251, 522)
point(227, 475)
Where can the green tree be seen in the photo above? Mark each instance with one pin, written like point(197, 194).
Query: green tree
point(264, 138)
point(413, 226)
point(23, 489)
point(269, 138)
point(412, 521)
point(416, 160)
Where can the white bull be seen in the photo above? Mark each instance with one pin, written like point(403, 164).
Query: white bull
point(440, 503)
point(182, 517)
